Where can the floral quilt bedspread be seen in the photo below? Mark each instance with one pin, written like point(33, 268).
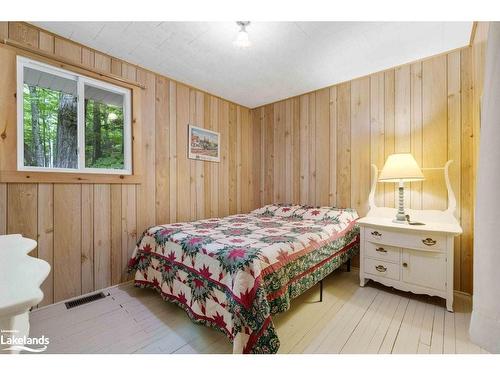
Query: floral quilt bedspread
point(233, 273)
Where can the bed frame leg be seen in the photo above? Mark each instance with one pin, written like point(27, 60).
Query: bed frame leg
point(321, 291)
point(348, 265)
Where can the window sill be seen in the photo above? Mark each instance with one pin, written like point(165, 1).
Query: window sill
point(67, 178)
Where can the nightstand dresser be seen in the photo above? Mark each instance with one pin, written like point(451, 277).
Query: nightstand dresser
point(413, 258)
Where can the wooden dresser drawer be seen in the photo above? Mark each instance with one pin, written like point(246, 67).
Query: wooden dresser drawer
point(382, 268)
point(382, 252)
point(412, 240)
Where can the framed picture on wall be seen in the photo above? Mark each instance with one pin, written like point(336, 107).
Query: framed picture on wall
point(203, 144)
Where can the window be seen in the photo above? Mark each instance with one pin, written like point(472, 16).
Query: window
point(71, 123)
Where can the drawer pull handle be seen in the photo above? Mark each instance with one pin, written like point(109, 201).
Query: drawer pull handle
point(405, 264)
point(429, 242)
point(376, 233)
point(381, 250)
point(381, 268)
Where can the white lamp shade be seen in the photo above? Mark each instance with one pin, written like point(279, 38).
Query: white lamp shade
point(401, 167)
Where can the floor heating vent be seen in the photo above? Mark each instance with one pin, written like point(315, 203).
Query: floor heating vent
point(83, 300)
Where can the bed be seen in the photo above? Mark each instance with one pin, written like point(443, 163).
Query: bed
point(234, 273)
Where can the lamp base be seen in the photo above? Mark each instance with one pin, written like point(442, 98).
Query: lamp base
point(400, 216)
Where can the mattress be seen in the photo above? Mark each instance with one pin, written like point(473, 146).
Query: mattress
point(234, 273)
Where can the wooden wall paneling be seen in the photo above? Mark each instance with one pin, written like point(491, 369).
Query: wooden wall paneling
point(4, 30)
point(233, 159)
point(257, 157)
point(454, 144)
point(312, 148)
point(402, 112)
point(87, 238)
point(215, 193)
point(288, 154)
point(22, 207)
point(377, 129)
point(304, 149)
point(344, 145)
point(268, 138)
point(243, 159)
point(46, 237)
point(467, 172)
point(225, 146)
point(360, 144)
point(199, 120)
point(88, 58)
point(67, 241)
point(279, 152)
point(129, 227)
point(192, 163)
point(173, 159)
point(3, 209)
point(162, 143)
point(129, 71)
point(478, 66)
point(137, 136)
point(295, 113)
point(23, 33)
point(68, 50)
point(478, 53)
point(246, 194)
point(402, 116)
point(416, 130)
point(183, 169)
point(102, 236)
point(333, 147)
point(116, 67)
point(434, 94)
point(390, 189)
point(8, 131)
point(322, 148)
point(102, 62)
point(263, 157)
point(116, 234)
point(207, 167)
point(146, 202)
point(239, 121)
point(46, 42)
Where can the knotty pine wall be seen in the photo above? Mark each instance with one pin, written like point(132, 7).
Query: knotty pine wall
point(87, 232)
point(317, 148)
point(314, 149)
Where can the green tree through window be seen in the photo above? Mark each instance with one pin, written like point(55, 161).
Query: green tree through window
point(51, 120)
point(50, 128)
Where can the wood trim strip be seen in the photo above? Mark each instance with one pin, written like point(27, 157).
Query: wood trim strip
point(62, 60)
point(67, 178)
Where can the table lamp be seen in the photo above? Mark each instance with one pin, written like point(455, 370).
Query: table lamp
point(401, 168)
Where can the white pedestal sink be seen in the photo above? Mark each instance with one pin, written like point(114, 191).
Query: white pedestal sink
point(20, 278)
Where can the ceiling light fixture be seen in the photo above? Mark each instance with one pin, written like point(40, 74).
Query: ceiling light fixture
point(242, 40)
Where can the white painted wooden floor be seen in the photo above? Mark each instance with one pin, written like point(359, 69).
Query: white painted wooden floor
point(373, 319)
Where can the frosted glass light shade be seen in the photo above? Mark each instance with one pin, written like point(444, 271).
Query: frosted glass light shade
point(242, 40)
point(400, 167)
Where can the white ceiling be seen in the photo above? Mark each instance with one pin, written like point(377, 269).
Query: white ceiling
point(284, 60)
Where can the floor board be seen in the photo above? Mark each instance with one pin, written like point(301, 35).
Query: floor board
point(351, 319)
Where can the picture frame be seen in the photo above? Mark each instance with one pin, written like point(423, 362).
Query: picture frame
point(203, 144)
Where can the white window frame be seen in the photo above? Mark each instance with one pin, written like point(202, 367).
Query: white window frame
point(80, 81)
